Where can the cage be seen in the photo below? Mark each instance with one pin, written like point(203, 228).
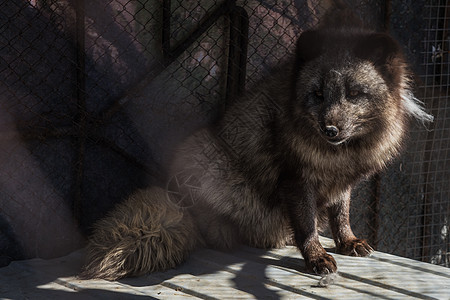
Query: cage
point(94, 95)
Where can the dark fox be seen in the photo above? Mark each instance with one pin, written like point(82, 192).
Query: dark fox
point(282, 160)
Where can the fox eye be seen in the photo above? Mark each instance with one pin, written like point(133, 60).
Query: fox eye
point(353, 93)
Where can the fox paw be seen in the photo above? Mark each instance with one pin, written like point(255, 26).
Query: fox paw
point(323, 264)
point(355, 247)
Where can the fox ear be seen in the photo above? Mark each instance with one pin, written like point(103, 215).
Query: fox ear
point(384, 52)
point(379, 48)
point(309, 46)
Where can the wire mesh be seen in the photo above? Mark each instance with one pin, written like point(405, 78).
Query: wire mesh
point(94, 95)
point(434, 205)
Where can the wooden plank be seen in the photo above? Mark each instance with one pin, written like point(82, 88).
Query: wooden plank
point(381, 272)
point(219, 280)
point(247, 273)
point(44, 279)
point(289, 275)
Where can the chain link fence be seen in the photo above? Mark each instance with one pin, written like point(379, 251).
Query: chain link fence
point(94, 95)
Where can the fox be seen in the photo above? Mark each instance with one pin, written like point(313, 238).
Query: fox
point(279, 164)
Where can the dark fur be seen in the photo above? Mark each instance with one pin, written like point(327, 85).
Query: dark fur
point(270, 170)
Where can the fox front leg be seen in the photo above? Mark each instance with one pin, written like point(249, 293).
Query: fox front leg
point(346, 242)
point(303, 218)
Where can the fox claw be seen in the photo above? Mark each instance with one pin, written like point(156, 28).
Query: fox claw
point(322, 265)
point(355, 247)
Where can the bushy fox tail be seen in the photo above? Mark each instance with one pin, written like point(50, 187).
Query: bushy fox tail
point(146, 233)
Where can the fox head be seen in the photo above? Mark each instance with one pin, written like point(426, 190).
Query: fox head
point(350, 84)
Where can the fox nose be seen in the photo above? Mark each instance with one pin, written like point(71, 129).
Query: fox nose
point(331, 131)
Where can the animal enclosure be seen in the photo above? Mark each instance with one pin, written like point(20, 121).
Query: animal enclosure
point(94, 96)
